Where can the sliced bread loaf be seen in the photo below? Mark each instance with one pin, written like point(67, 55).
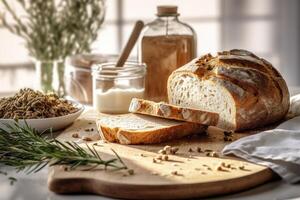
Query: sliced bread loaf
point(245, 90)
point(168, 111)
point(142, 129)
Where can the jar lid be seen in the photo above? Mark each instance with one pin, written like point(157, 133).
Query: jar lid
point(167, 10)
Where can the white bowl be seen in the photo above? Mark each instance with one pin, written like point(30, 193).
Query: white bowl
point(55, 123)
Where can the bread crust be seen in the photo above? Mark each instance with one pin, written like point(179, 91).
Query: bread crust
point(260, 93)
point(168, 111)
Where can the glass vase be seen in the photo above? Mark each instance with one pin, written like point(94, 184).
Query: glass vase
point(51, 76)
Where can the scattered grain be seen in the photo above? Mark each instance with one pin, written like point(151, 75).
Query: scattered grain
point(190, 150)
point(86, 138)
point(165, 157)
point(130, 171)
point(167, 148)
point(75, 135)
point(174, 172)
point(158, 157)
point(199, 150)
point(162, 151)
point(174, 150)
point(214, 154)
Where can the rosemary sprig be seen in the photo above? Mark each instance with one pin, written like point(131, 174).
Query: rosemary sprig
point(23, 148)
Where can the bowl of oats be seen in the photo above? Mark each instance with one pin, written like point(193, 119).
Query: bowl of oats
point(40, 111)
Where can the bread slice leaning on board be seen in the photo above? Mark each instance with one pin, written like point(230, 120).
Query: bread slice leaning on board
point(142, 129)
point(168, 111)
point(246, 91)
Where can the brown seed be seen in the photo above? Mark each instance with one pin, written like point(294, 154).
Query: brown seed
point(199, 150)
point(66, 168)
point(174, 173)
point(207, 154)
point(162, 151)
point(174, 150)
point(165, 157)
point(219, 168)
point(190, 150)
point(75, 135)
point(242, 167)
point(167, 148)
point(130, 171)
point(154, 160)
point(208, 150)
point(143, 155)
point(203, 173)
point(197, 169)
point(214, 154)
point(159, 157)
point(86, 138)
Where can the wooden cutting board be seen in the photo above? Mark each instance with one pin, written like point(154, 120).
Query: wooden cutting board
point(197, 176)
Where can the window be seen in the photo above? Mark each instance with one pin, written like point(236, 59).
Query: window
point(269, 28)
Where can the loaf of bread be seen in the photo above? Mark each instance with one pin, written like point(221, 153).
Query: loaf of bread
point(168, 111)
point(142, 129)
point(246, 91)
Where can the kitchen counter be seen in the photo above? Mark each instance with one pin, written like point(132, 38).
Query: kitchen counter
point(34, 187)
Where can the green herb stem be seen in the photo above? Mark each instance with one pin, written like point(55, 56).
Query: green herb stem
point(25, 149)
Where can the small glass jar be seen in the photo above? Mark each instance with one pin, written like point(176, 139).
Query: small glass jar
point(79, 78)
point(114, 87)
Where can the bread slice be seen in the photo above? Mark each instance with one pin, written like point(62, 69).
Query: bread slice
point(246, 91)
point(142, 129)
point(168, 111)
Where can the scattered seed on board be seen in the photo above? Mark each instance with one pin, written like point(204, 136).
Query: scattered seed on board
point(174, 150)
point(199, 150)
point(159, 157)
point(219, 168)
point(66, 169)
point(130, 171)
point(174, 172)
point(242, 167)
point(162, 151)
point(154, 160)
point(214, 154)
point(190, 150)
point(207, 154)
point(142, 155)
point(87, 139)
point(165, 157)
point(167, 148)
point(75, 135)
point(197, 169)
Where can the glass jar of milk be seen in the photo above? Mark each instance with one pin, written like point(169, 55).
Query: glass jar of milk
point(114, 87)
